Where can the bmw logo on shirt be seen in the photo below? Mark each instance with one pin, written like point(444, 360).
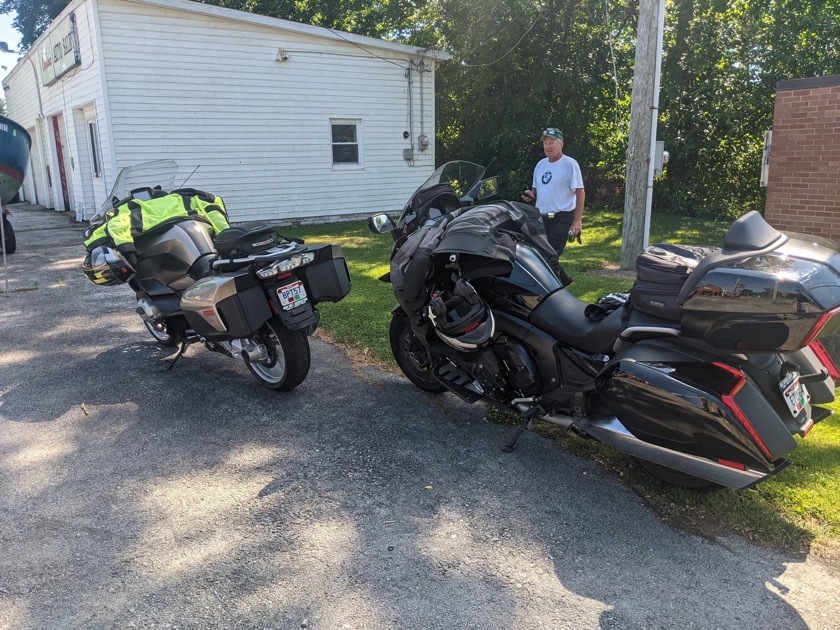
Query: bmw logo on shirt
point(546, 177)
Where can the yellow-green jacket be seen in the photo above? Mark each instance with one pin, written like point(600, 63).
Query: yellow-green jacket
point(132, 217)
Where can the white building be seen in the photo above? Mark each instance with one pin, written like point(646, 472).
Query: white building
point(287, 122)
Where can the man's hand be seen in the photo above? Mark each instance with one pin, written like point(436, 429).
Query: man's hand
point(575, 230)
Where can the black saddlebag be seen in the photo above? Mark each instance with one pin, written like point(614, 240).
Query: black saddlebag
point(327, 278)
point(246, 238)
point(661, 271)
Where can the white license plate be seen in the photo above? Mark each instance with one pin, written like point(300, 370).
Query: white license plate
point(793, 392)
point(292, 295)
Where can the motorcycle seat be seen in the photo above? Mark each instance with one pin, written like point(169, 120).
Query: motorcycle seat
point(563, 316)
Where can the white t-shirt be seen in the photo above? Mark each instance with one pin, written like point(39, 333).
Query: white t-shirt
point(556, 183)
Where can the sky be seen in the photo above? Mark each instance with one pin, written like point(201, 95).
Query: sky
point(12, 38)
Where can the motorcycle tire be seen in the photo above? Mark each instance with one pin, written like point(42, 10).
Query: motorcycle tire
point(411, 356)
point(676, 478)
point(10, 244)
point(164, 337)
point(288, 362)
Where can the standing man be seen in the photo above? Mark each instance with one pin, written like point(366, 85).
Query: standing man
point(558, 191)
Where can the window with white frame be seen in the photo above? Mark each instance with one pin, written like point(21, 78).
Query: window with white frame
point(95, 157)
point(346, 141)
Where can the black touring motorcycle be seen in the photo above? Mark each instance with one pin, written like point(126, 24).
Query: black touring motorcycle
point(704, 375)
point(243, 292)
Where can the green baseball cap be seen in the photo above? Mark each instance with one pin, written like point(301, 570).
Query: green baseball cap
point(552, 132)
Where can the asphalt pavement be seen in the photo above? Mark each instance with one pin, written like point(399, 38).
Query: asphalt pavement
point(131, 496)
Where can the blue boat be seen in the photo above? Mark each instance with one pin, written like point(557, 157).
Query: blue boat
point(14, 156)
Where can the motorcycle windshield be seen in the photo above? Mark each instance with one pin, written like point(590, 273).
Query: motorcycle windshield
point(445, 190)
point(144, 175)
point(462, 176)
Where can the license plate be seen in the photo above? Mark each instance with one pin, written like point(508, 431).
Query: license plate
point(793, 392)
point(292, 295)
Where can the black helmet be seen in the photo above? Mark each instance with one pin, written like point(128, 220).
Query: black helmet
point(461, 318)
point(105, 266)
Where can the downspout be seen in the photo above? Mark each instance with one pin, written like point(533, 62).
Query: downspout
point(39, 133)
point(422, 102)
point(410, 117)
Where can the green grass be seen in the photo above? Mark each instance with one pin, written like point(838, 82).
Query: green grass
point(798, 510)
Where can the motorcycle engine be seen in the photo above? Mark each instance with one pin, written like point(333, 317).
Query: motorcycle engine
point(524, 375)
point(490, 372)
point(503, 370)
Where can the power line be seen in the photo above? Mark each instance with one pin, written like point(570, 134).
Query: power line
point(372, 54)
point(519, 41)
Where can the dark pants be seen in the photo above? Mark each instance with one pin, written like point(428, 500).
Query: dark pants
point(557, 231)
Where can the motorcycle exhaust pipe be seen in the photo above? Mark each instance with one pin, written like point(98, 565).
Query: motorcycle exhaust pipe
point(610, 431)
point(249, 351)
point(148, 311)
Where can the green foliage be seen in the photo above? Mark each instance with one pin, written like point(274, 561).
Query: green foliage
point(722, 62)
point(32, 16)
point(381, 18)
point(519, 67)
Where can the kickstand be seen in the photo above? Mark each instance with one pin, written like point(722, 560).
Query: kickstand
point(182, 348)
point(522, 427)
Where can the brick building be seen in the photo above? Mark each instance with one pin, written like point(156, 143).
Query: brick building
point(803, 185)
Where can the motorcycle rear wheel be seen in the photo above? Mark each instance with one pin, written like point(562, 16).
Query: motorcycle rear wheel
point(411, 356)
point(677, 478)
point(288, 362)
point(164, 337)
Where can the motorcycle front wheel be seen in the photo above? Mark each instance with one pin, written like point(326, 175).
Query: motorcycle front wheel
point(163, 336)
point(288, 357)
point(411, 355)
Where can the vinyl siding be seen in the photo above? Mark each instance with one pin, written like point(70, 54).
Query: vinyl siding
point(208, 92)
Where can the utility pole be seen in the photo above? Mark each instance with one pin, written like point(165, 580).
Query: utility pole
point(644, 112)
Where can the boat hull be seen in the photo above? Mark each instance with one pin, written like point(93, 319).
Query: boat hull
point(14, 156)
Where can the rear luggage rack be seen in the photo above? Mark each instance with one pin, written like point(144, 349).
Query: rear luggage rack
point(284, 249)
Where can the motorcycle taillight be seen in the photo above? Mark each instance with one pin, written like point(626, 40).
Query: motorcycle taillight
point(825, 359)
point(821, 326)
point(738, 382)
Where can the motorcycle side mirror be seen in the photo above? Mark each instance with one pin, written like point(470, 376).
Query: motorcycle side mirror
point(381, 224)
point(487, 188)
point(482, 189)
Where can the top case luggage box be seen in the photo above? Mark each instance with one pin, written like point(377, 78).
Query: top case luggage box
point(661, 271)
point(245, 239)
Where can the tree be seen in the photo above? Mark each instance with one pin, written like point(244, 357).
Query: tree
point(721, 67)
point(379, 18)
point(520, 66)
point(32, 17)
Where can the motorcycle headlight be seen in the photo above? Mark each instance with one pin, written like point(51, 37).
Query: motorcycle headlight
point(282, 266)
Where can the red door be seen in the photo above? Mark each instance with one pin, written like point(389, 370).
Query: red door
point(60, 153)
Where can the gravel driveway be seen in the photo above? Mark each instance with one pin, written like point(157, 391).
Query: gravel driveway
point(193, 498)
